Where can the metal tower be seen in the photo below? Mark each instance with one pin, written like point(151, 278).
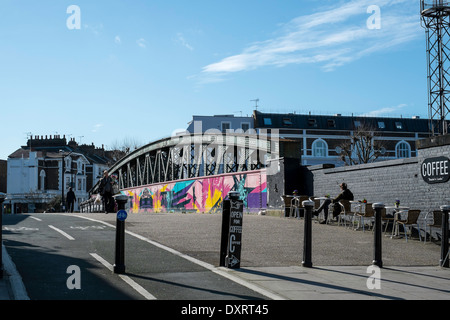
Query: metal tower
point(436, 19)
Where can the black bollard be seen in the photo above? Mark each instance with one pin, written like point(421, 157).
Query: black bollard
point(2, 198)
point(119, 266)
point(444, 262)
point(307, 242)
point(377, 249)
point(225, 231)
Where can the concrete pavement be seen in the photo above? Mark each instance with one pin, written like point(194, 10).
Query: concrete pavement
point(271, 258)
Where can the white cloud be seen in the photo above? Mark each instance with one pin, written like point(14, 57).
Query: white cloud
point(142, 43)
point(97, 127)
point(181, 40)
point(117, 40)
point(330, 38)
point(385, 111)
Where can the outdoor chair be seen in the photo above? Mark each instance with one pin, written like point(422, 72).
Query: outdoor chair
point(386, 219)
point(437, 222)
point(300, 211)
point(410, 221)
point(345, 212)
point(287, 205)
point(368, 213)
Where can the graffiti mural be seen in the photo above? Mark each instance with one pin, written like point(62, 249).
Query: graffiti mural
point(202, 194)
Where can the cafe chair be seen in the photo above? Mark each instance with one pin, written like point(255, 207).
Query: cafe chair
point(437, 222)
point(368, 213)
point(386, 219)
point(410, 221)
point(300, 211)
point(287, 205)
point(345, 212)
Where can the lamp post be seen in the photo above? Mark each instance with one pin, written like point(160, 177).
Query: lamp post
point(2, 198)
point(63, 156)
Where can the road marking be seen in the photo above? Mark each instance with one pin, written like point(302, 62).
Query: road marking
point(20, 229)
point(88, 227)
point(62, 232)
point(35, 218)
point(217, 270)
point(147, 295)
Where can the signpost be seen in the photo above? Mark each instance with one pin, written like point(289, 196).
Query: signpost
point(231, 243)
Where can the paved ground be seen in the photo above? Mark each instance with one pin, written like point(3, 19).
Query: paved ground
point(272, 254)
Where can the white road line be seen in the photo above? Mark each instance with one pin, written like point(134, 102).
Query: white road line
point(35, 218)
point(62, 232)
point(147, 295)
point(218, 270)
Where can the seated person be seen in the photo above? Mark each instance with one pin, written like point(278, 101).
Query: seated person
point(345, 194)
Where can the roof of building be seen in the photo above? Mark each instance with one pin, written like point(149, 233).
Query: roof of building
point(339, 122)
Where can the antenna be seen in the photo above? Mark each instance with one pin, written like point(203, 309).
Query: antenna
point(436, 19)
point(256, 103)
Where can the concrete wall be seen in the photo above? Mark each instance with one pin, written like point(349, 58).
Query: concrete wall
point(387, 181)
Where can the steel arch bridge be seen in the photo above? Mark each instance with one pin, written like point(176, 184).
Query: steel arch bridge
point(194, 172)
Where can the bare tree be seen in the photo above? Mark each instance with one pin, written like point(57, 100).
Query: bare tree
point(362, 146)
point(125, 146)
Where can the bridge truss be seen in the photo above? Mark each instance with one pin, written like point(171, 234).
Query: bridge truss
point(195, 155)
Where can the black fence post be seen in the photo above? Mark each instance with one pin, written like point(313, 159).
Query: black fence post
point(444, 262)
point(377, 249)
point(119, 266)
point(2, 198)
point(307, 242)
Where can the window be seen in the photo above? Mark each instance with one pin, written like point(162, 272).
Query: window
point(312, 122)
point(225, 126)
point(381, 125)
point(399, 125)
point(287, 122)
point(357, 123)
point(403, 150)
point(245, 126)
point(267, 121)
point(319, 148)
point(331, 123)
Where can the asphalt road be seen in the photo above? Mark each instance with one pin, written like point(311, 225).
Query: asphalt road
point(56, 253)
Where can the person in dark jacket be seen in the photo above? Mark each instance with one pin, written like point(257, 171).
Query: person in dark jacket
point(345, 194)
point(71, 198)
point(106, 191)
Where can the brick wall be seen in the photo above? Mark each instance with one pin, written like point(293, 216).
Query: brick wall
point(387, 181)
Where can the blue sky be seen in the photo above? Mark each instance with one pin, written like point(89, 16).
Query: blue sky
point(140, 69)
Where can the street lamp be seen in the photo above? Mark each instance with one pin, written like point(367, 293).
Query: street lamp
point(2, 198)
point(63, 156)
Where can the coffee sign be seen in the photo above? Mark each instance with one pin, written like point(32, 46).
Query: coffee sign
point(436, 170)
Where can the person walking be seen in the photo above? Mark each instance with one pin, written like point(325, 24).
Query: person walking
point(71, 198)
point(106, 191)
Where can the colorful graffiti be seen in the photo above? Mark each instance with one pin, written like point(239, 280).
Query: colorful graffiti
point(202, 194)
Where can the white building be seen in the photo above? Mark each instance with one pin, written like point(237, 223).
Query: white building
point(44, 170)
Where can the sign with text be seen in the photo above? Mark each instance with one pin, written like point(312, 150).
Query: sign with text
point(435, 170)
point(233, 259)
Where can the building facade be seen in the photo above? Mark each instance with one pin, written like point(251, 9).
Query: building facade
point(323, 138)
point(43, 171)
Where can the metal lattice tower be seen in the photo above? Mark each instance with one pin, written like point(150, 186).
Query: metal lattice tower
point(436, 19)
